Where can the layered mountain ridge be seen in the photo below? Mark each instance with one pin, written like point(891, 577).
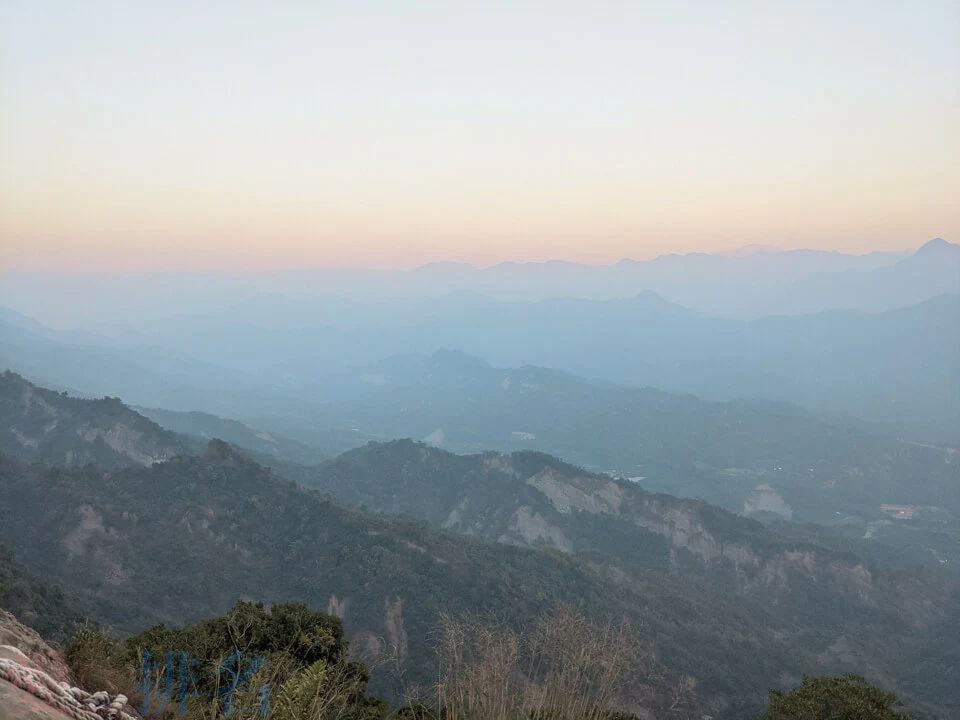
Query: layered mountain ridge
point(719, 598)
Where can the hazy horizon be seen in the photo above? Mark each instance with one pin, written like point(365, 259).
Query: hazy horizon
point(734, 253)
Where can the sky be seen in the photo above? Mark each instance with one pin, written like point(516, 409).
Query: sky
point(238, 135)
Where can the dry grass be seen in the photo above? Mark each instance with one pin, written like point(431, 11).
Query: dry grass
point(565, 668)
point(98, 662)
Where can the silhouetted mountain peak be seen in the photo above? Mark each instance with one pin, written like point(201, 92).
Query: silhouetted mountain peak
point(937, 246)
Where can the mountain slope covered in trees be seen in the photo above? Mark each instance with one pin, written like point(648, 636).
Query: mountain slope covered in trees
point(718, 598)
point(186, 538)
point(41, 424)
point(38, 604)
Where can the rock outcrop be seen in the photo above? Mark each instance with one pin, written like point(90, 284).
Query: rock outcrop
point(36, 684)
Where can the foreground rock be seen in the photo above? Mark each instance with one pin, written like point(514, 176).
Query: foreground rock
point(36, 684)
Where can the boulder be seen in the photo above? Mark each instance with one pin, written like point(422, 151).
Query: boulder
point(15, 634)
point(36, 684)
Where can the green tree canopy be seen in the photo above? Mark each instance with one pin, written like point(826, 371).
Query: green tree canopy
point(849, 697)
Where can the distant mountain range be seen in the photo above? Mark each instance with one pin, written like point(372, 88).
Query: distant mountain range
point(746, 284)
point(768, 460)
point(284, 355)
point(753, 457)
point(748, 456)
point(715, 596)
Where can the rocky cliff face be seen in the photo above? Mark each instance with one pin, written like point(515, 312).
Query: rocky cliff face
point(40, 424)
point(32, 648)
point(535, 500)
point(36, 684)
point(758, 562)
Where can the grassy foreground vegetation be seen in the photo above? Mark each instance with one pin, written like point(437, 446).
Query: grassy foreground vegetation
point(564, 668)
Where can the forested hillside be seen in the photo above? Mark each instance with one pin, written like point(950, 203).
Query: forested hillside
point(186, 538)
point(38, 604)
point(53, 427)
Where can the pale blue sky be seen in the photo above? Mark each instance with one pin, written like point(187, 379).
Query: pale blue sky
point(396, 133)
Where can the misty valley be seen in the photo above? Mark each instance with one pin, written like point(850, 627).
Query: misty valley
point(461, 473)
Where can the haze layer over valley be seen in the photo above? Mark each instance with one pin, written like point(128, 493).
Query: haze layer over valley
point(891, 362)
point(752, 458)
point(847, 417)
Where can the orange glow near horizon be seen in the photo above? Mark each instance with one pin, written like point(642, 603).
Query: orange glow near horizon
point(132, 141)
